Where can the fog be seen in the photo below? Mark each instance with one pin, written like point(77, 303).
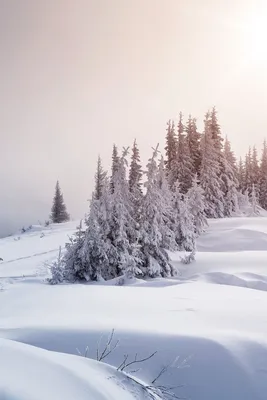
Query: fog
point(77, 76)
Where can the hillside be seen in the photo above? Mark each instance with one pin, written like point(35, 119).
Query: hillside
point(208, 324)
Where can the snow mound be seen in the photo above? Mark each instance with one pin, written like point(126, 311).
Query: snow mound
point(29, 373)
point(235, 234)
point(249, 281)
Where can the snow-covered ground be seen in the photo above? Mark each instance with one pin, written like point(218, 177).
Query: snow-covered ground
point(209, 324)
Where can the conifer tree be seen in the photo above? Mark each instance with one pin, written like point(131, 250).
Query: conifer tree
point(59, 211)
point(255, 171)
point(185, 167)
point(100, 177)
point(263, 177)
point(210, 174)
point(114, 167)
point(229, 155)
point(171, 147)
point(155, 259)
point(255, 209)
point(135, 174)
point(215, 131)
point(193, 138)
point(241, 176)
point(196, 204)
point(248, 172)
point(123, 228)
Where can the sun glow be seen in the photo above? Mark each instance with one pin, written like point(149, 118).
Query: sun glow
point(254, 35)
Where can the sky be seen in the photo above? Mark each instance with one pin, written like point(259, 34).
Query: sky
point(78, 76)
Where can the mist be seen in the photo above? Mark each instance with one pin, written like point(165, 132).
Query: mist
point(77, 77)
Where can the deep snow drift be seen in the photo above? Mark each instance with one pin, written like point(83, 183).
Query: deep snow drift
point(209, 324)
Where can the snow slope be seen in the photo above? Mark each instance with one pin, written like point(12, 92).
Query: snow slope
point(59, 376)
point(209, 324)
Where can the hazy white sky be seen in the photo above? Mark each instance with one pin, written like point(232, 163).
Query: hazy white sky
point(78, 75)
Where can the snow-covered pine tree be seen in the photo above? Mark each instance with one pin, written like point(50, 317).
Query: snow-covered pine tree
point(230, 181)
point(196, 204)
point(183, 221)
point(155, 258)
point(168, 237)
point(255, 170)
point(255, 208)
point(124, 235)
point(94, 251)
point(171, 150)
point(193, 138)
point(263, 177)
point(210, 174)
point(241, 176)
point(215, 131)
point(229, 188)
point(184, 165)
point(135, 184)
point(248, 172)
point(72, 263)
point(100, 177)
point(229, 155)
point(114, 167)
point(135, 174)
point(59, 211)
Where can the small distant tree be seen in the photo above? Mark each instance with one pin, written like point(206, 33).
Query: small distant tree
point(59, 212)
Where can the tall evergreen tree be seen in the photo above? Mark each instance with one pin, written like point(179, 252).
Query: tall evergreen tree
point(255, 171)
point(263, 177)
point(241, 176)
point(155, 259)
point(100, 177)
point(215, 131)
point(210, 174)
point(185, 167)
point(193, 138)
point(123, 228)
point(59, 211)
point(135, 174)
point(196, 204)
point(114, 167)
point(248, 172)
point(171, 148)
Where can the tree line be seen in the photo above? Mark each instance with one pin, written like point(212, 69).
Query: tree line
point(137, 216)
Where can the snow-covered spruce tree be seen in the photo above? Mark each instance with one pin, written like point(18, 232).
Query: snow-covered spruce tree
point(168, 236)
point(100, 177)
point(248, 172)
point(59, 211)
point(184, 165)
point(255, 170)
point(94, 251)
point(193, 138)
point(196, 204)
point(263, 177)
point(184, 223)
point(171, 151)
point(114, 167)
point(255, 208)
point(241, 176)
point(210, 174)
point(71, 263)
point(135, 184)
point(154, 226)
point(229, 155)
point(123, 253)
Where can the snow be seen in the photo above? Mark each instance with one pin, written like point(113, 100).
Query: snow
point(209, 323)
point(58, 376)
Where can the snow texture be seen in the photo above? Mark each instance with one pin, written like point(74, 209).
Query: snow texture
point(208, 323)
